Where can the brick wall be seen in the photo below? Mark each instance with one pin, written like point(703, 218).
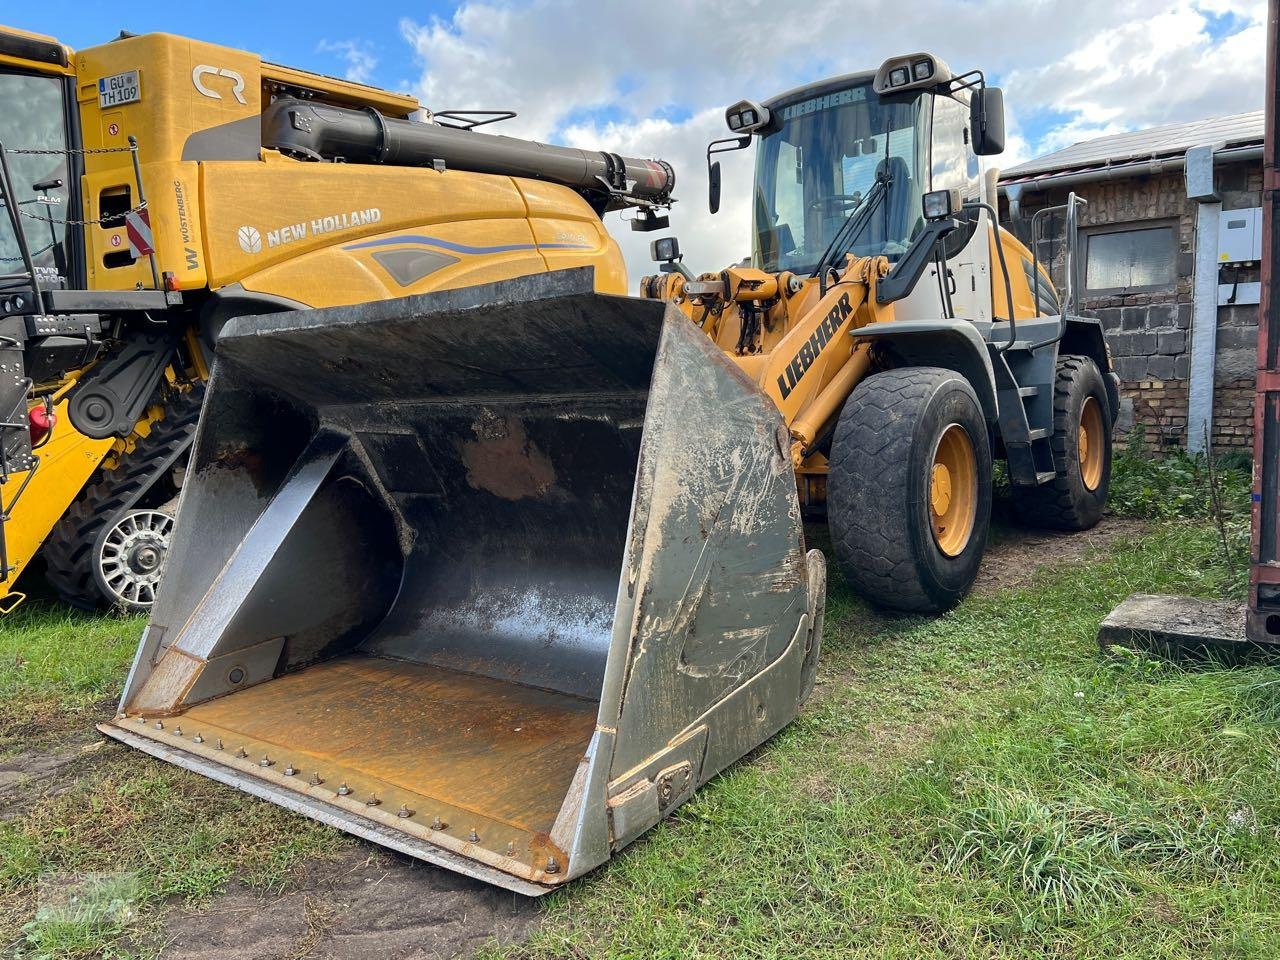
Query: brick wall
point(1149, 333)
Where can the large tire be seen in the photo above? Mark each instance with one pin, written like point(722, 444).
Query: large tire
point(880, 489)
point(1077, 496)
point(72, 547)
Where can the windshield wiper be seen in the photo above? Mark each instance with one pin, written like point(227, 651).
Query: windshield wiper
point(851, 229)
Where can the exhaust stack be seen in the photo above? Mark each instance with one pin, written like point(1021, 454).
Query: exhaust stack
point(496, 577)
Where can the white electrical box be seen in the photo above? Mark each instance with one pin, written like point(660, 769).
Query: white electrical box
point(1240, 235)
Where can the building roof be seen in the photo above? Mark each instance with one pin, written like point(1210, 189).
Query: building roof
point(1172, 139)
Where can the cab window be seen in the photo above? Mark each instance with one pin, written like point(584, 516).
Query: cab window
point(32, 118)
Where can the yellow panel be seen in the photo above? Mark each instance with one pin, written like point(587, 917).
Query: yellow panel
point(66, 463)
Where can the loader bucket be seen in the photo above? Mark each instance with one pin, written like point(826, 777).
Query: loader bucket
point(495, 577)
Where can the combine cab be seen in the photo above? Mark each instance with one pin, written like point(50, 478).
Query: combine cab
point(495, 577)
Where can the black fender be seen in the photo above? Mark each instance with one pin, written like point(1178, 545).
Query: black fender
point(951, 344)
point(1083, 336)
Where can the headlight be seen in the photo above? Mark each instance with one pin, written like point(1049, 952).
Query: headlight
point(940, 203)
point(921, 69)
point(898, 77)
point(746, 116)
point(664, 249)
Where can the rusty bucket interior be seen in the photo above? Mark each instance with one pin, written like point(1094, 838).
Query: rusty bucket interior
point(457, 573)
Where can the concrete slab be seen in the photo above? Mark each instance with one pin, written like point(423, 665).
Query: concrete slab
point(1182, 628)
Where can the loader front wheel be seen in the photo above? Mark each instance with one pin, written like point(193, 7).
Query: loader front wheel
point(909, 489)
point(1075, 498)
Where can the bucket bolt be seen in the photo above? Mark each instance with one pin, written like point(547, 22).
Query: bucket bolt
point(316, 779)
point(159, 724)
point(289, 771)
point(241, 754)
point(177, 731)
point(438, 824)
point(219, 746)
point(373, 801)
point(473, 836)
point(511, 848)
point(343, 789)
point(553, 866)
point(265, 761)
point(197, 739)
point(404, 812)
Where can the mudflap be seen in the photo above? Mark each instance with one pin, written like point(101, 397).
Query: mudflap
point(495, 577)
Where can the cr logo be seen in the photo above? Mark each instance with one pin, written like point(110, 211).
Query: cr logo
point(204, 70)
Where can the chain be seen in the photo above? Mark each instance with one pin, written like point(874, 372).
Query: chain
point(116, 219)
point(68, 151)
point(34, 254)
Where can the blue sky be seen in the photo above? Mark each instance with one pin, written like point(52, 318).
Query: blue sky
point(292, 33)
point(599, 75)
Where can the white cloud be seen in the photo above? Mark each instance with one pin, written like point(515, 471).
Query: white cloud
point(358, 56)
point(585, 73)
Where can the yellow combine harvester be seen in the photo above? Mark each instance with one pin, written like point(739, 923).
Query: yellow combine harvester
point(906, 339)
point(159, 143)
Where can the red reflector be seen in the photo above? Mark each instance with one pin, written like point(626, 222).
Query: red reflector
point(170, 281)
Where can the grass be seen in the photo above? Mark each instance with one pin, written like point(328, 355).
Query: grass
point(57, 667)
point(984, 784)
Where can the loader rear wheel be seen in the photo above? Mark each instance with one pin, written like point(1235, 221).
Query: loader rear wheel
point(1075, 498)
point(909, 489)
point(80, 551)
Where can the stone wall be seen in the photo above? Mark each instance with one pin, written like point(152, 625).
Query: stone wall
point(1149, 333)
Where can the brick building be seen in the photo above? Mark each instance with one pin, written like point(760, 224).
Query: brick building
point(1167, 256)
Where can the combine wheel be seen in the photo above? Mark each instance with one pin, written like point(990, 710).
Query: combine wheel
point(909, 489)
point(1076, 497)
point(105, 551)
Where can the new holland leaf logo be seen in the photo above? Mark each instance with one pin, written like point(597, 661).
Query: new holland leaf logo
point(250, 239)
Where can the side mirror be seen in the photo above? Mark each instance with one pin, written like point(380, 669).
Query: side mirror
point(713, 186)
point(986, 120)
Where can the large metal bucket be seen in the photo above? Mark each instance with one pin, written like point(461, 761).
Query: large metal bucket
point(495, 577)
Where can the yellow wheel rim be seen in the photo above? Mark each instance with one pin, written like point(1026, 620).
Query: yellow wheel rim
point(1091, 442)
point(953, 490)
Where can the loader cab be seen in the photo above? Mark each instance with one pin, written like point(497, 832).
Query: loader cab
point(37, 128)
point(822, 147)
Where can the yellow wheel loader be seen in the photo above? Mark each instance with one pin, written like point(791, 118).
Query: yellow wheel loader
point(475, 557)
point(906, 339)
point(154, 187)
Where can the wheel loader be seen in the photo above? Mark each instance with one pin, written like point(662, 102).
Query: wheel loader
point(906, 338)
point(154, 187)
point(474, 556)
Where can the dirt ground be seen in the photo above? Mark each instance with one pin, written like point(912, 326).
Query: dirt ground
point(370, 903)
point(373, 903)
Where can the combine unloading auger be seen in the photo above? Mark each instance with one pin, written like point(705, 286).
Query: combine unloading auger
point(495, 577)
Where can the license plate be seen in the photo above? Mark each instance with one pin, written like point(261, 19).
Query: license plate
point(121, 88)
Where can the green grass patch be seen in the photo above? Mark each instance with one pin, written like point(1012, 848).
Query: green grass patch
point(985, 784)
point(57, 667)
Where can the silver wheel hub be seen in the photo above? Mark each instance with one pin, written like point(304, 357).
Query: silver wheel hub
point(131, 559)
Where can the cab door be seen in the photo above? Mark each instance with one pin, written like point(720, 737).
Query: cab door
point(37, 129)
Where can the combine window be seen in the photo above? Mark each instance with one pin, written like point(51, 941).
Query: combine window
point(32, 118)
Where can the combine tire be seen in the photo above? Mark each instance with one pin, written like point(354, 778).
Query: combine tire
point(1076, 497)
point(105, 553)
point(909, 489)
